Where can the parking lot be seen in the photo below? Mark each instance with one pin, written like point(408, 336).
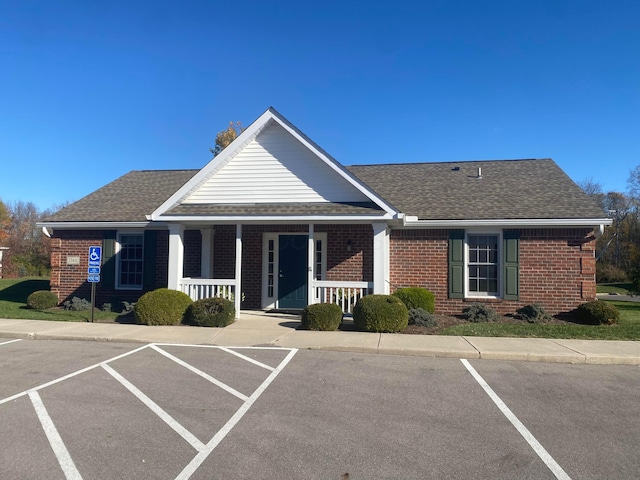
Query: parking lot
point(98, 410)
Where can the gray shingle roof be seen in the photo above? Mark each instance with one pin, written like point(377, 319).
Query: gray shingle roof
point(508, 189)
point(283, 209)
point(127, 199)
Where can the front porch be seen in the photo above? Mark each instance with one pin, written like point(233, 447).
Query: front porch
point(266, 267)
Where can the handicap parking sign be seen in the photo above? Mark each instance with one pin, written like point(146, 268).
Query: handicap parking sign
point(95, 256)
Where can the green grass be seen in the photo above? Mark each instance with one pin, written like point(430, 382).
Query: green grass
point(13, 303)
point(628, 328)
point(619, 288)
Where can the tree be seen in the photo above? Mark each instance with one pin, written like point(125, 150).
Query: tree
point(5, 223)
point(594, 190)
point(634, 183)
point(29, 248)
point(225, 137)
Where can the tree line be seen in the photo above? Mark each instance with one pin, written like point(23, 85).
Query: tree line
point(29, 251)
point(618, 249)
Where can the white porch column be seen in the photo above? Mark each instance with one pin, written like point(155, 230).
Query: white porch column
point(311, 294)
point(380, 258)
point(176, 256)
point(206, 256)
point(238, 295)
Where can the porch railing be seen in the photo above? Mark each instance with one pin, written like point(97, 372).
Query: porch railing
point(343, 294)
point(199, 288)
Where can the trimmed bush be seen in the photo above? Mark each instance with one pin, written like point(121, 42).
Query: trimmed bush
point(161, 307)
point(419, 316)
point(77, 304)
point(42, 300)
point(211, 312)
point(597, 313)
point(322, 316)
point(380, 313)
point(533, 313)
point(479, 313)
point(416, 297)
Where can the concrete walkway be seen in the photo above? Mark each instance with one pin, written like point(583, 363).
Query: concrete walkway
point(279, 330)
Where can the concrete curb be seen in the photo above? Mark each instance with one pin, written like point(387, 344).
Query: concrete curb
point(280, 331)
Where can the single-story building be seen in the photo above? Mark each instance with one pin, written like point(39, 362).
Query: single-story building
point(275, 222)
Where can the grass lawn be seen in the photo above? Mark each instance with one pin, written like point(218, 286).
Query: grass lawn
point(13, 303)
point(619, 288)
point(628, 328)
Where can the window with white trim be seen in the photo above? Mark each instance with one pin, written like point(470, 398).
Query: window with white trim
point(483, 265)
point(130, 261)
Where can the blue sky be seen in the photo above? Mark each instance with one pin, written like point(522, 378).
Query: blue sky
point(92, 90)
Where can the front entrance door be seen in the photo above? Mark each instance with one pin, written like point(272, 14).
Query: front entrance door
point(292, 271)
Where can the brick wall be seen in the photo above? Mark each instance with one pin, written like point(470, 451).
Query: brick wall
point(557, 268)
point(68, 281)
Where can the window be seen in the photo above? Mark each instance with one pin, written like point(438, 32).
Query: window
point(482, 265)
point(130, 260)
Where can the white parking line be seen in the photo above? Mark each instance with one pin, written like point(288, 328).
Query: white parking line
point(206, 376)
point(73, 374)
point(57, 445)
point(248, 359)
point(10, 341)
point(224, 431)
point(531, 440)
point(155, 408)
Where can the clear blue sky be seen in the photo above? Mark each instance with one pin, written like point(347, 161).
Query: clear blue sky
point(92, 90)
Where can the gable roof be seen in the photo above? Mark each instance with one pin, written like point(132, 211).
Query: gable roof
point(448, 194)
point(508, 189)
point(284, 166)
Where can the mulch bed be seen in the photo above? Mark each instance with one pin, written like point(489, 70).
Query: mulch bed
point(446, 321)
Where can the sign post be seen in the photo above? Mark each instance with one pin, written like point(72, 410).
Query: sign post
point(93, 273)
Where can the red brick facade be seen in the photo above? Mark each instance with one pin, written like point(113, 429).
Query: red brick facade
point(557, 266)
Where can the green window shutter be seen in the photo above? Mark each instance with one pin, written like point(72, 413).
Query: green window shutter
point(456, 264)
point(511, 267)
point(149, 265)
point(109, 259)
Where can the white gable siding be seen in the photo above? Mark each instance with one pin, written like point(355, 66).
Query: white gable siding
point(275, 168)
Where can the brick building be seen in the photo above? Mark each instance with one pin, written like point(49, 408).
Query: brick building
point(274, 222)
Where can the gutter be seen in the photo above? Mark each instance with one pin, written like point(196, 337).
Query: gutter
point(597, 224)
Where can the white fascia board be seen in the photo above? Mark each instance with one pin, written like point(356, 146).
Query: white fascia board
point(509, 222)
point(244, 219)
point(94, 225)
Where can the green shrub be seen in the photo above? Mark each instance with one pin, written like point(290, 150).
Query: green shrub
point(42, 300)
point(77, 304)
point(380, 313)
point(161, 307)
point(597, 313)
point(479, 313)
point(321, 316)
point(211, 312)
point(416, 297)
point(419, 316)
point(533, 313)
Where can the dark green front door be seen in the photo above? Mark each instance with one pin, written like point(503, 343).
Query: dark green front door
point(292, 271)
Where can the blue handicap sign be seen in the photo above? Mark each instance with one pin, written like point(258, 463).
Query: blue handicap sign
point(93, 270)
point(93, 278)
point(95, 256)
